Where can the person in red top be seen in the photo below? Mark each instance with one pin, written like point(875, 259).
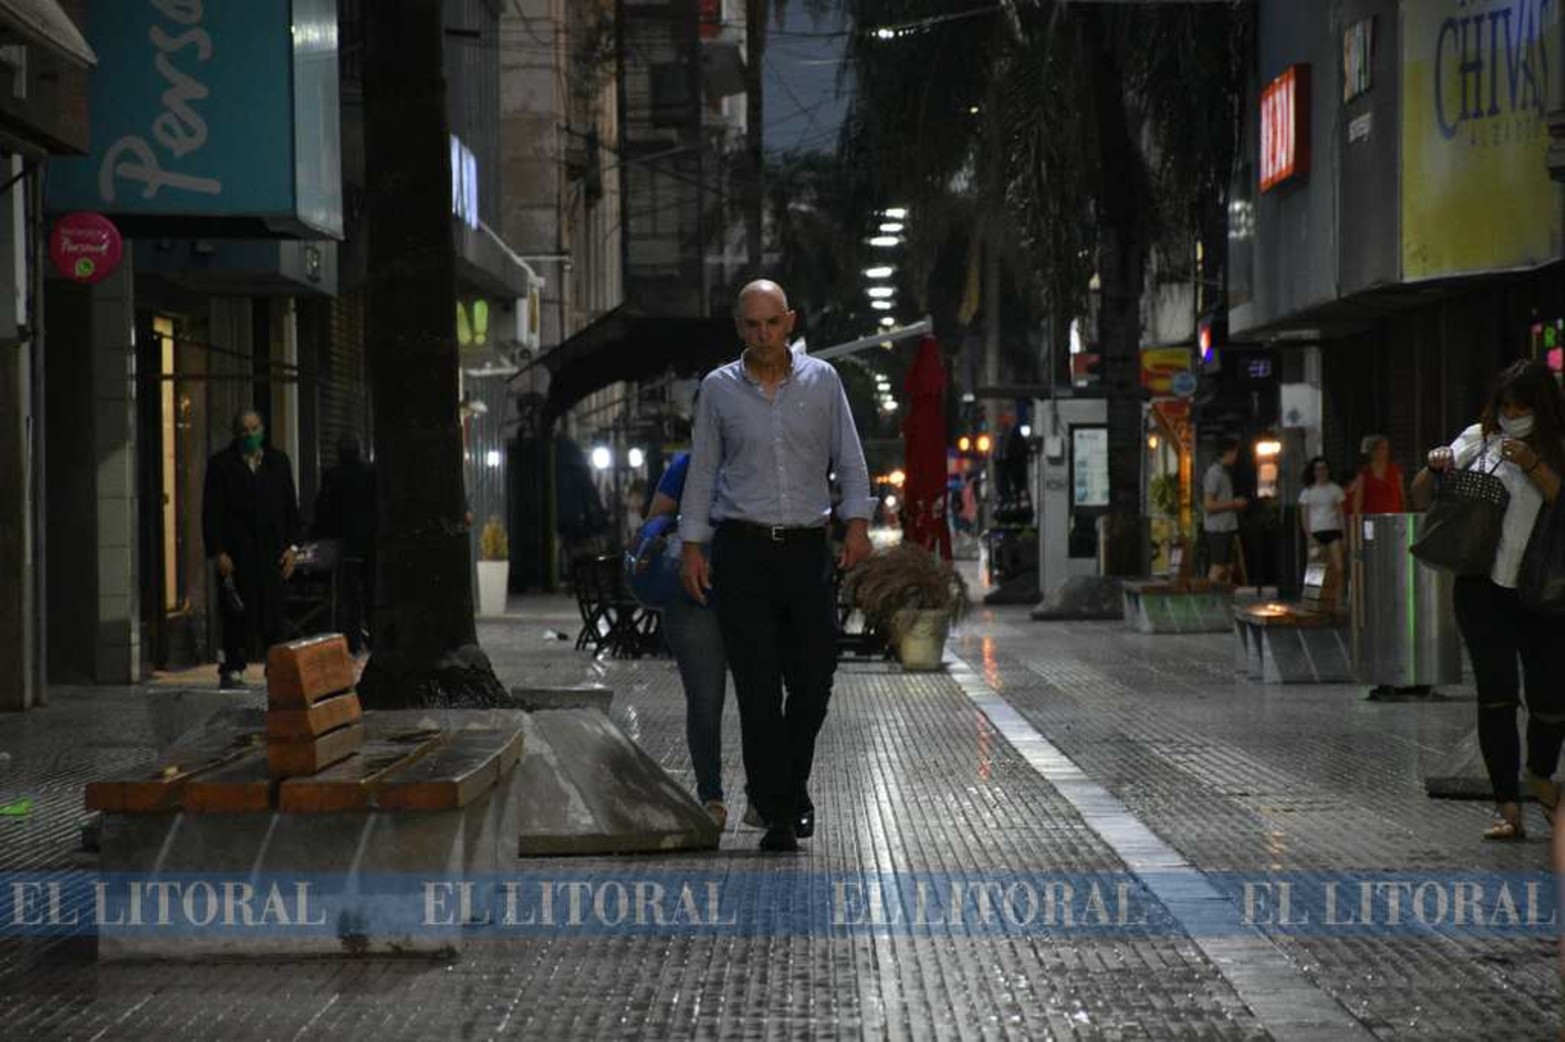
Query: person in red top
point(1378, 489)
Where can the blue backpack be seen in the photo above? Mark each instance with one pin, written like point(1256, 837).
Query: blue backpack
point(652, 564)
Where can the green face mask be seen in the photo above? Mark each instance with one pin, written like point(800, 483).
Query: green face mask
point(252, 442)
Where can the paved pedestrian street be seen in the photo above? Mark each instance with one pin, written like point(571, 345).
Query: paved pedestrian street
point(1073, 832)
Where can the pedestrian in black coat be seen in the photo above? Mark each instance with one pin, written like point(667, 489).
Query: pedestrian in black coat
point(345, 510)
point(250, 522)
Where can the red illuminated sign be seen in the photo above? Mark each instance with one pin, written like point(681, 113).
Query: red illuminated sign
point(1285, 127)
point(711, 18)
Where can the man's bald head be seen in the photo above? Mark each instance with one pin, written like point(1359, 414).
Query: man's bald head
point(764, 288)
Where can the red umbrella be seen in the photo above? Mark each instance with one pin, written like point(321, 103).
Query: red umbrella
point(924, 452)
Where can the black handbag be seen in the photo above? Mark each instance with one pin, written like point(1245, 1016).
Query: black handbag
point(1542, 582)
point(1461, 531)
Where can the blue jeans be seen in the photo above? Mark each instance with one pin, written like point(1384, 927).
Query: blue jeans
point(697, 644)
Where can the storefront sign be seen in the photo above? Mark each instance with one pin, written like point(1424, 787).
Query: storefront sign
point(464, 183)
point(1090, 466)
point(1285, 127)
point(711, 19)
point(1160, 368)
point(210, 111)
point(1476, 193)
point(1358, 52)
point(85, 247)
point(1548, 344)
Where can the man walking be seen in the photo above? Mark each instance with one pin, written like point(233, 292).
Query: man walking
point(771, 430)
point(249, 521)
point(1221, 509)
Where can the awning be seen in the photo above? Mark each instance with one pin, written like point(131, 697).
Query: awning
point(624, 345)
point(43, 24)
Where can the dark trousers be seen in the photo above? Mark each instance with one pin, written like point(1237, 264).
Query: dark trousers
point(1499, 633)
point(774, 605)
point(259, 624)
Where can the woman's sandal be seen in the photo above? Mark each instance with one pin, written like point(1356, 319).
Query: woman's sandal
point(1506, 827)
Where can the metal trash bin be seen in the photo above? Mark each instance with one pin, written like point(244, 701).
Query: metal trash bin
point(1404, 626)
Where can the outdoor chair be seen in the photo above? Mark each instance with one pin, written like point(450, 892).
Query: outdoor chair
point(611, 618)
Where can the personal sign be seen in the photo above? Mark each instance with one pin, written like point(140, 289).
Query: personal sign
point(85, 247)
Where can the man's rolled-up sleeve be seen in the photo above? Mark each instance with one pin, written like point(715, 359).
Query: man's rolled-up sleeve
point(847, 460)
point(695, 505)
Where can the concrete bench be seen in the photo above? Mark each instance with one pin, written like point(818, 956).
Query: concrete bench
point(321, 828)
point(1178, 606)
point(1292, 643)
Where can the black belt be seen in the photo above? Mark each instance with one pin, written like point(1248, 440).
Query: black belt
point(775, 533)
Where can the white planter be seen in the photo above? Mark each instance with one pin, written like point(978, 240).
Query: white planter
point(492, 576)
point(921, 638)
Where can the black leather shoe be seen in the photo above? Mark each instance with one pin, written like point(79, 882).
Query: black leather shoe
point(779, 840)
point(804, 824)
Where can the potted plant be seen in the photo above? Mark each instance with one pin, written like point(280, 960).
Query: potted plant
point(910, 597)
point(494, 567)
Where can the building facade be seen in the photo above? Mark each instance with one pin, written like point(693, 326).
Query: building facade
point(43, 115)
point(226, 144)
point(1404, 238)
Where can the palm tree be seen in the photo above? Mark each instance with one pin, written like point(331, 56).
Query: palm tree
point(426, 649)
point(1089, 135)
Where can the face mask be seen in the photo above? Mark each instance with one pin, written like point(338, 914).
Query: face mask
point(1516, 426)
point(252, 442)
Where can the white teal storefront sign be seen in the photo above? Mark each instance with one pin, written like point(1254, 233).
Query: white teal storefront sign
point(222, 114)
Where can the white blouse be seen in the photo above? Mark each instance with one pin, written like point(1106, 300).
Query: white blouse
point(1522, 511)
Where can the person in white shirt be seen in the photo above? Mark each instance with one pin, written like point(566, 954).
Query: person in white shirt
point(1520, 439)
point(1320, 511)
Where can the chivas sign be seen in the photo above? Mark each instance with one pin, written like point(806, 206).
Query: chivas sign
point(1285, 127)
point(1476, 193)
point(1491, 62)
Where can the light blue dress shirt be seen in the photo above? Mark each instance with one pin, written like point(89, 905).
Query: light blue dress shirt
point(767, 462)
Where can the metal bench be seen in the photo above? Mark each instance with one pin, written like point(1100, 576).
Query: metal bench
point(1290, 643)
point(1178, 606)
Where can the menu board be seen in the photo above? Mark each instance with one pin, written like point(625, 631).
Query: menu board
point(1090, 466)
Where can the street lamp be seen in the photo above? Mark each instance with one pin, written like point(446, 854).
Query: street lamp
point(637, 458)
point(602, 458)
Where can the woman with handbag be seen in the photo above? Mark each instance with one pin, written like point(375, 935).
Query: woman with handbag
point(1519, 440)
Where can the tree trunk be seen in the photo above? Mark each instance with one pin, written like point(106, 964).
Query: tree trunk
point(1121, 273)
point(425, 643)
